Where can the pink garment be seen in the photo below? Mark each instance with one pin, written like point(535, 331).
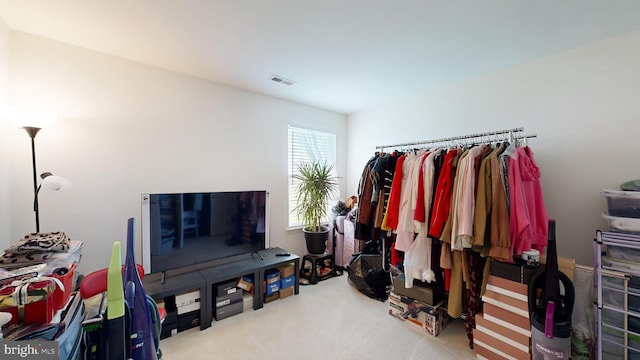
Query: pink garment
point(539, 219)
point(519, 219)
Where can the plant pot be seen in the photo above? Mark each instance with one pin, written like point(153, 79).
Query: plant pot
point(316, 241)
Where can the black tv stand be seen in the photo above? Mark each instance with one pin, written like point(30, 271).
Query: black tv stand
point(165, 284)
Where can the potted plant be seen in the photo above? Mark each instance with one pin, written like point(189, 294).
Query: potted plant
point(315, 189)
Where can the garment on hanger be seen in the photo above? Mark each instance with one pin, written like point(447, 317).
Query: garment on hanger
point(405, 229)
point(365, 209)
point(442, 199)
point(532, 188)
point(390, 220)
point(466, 202)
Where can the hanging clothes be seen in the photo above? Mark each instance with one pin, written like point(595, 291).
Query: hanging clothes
point(417, 260)
point(450, 210)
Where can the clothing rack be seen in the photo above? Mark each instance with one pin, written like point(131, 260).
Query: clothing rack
point(511, 132)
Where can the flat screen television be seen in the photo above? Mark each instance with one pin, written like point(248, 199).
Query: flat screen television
point(185, 229)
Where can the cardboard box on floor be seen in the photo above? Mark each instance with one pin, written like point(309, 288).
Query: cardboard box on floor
point(430, 319)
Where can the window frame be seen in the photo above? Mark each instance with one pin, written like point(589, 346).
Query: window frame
point(319, 145)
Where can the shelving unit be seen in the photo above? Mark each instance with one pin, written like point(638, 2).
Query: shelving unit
point(617, 277)
point(206, 277)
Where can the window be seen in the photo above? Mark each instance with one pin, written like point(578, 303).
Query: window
point(306, 145)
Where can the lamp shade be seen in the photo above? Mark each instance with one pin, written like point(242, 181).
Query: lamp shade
point(52, 182)
point(30, 118)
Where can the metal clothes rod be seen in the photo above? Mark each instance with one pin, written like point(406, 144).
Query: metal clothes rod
point(461, 137)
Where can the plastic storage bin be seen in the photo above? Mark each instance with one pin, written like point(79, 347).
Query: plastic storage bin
point(623, 203)
point(622, 223)
point(619, 253)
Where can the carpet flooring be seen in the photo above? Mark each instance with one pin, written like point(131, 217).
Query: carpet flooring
point(327, 321)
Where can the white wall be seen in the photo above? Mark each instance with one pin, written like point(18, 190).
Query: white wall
point(125, 129)
point(4, 129)
point(583, 104)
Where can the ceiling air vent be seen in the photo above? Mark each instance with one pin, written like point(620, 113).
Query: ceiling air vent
point(281, 80)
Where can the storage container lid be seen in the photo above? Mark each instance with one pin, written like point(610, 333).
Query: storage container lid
point(621, 194)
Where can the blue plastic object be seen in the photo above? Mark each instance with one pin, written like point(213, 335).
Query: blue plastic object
point(142, 342)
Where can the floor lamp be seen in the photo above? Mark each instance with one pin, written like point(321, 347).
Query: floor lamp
point(32, 123)
point(49, 181)
point(33, 131)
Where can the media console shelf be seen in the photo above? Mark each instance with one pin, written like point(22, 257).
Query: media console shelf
point(204, 278)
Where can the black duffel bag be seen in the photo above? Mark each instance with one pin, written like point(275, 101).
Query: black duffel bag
point(368, 276)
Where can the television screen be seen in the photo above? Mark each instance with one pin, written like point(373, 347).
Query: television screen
point(184, 229)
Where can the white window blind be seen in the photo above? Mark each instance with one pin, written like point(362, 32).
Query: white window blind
point(306, 145)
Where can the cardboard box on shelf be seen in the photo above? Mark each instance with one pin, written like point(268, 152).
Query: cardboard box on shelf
point(226, 288)
point(188, 297)
point(247, 302)
point(272, 297)
point(287, 282)
point(286, 270)
point(272, 276)
point(188, 308)
point(188, 321)
point(272, 288)
point(224, 312)
point(246, 283)
point(286, 292)
point(228, 299)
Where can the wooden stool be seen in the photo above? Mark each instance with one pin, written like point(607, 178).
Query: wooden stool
point(316, 262)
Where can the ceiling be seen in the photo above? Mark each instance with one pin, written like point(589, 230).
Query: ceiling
point(343, 55)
